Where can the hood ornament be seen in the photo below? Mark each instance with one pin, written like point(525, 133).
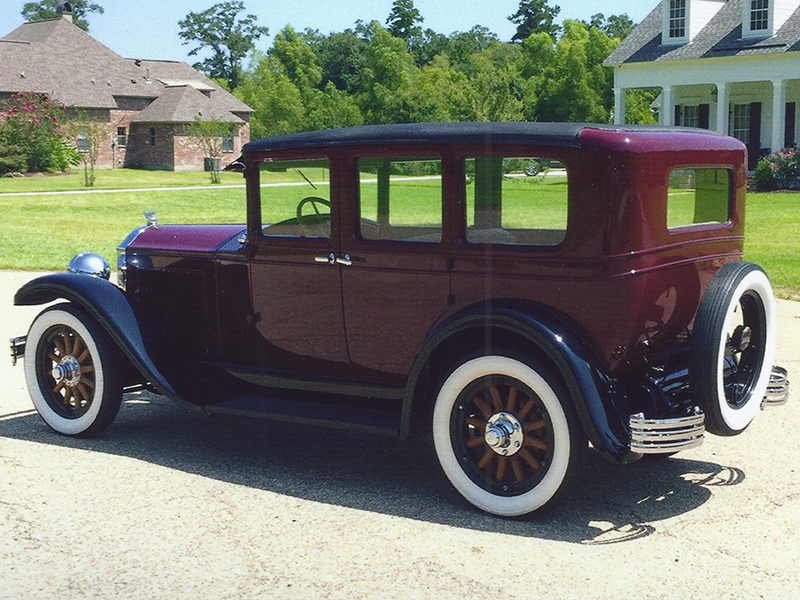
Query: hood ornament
point(150, 216)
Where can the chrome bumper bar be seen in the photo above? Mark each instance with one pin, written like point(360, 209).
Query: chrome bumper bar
point(17, 348)
point(660, 436)
point(778, 388)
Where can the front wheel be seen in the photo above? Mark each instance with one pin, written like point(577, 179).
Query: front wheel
point(72, 370)
point(506, 436)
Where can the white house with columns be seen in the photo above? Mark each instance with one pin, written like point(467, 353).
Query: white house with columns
point(732, 66)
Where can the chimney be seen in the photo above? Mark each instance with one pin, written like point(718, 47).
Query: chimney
point(65, 11)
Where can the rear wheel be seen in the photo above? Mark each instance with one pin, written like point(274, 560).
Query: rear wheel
point(733, 347)
point(505, 436)
point(72, 371)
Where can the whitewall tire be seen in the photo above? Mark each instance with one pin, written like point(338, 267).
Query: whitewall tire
point(72, 371)
point(505, 436)
point(733, 347)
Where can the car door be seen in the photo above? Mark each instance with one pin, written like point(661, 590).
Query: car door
point(396, 283)
point(296, 286)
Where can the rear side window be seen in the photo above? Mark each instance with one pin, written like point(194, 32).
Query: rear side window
point(699, 196)
point(401, 199)
point(516, 200)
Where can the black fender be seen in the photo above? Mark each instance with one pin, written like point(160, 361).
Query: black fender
point(589, 386)
point(109, 306)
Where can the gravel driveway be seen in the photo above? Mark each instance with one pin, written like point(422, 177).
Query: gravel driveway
point(171, 504)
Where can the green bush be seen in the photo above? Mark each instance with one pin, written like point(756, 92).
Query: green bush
point(778, 171)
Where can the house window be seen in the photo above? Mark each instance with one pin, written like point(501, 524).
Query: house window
point(677, 19)
point(227, 144)
point(759, 15)
point(740, 124)
point(82, 142)
point(122, 136)
point(691, 116)
point(151, 141)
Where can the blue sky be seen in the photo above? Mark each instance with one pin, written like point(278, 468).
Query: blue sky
point(149, 29)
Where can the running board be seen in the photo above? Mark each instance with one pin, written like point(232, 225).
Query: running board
point(311, 413)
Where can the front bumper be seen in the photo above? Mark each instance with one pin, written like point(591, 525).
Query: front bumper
point(17, 348)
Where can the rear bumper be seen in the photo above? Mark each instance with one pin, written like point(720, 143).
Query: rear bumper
point(778, 388)
point(660, 436)
point(663, 436)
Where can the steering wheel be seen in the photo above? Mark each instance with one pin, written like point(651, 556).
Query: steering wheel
point(315, 202)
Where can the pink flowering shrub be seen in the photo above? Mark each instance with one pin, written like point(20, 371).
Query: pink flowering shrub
point(778, 171)
point(32, 136)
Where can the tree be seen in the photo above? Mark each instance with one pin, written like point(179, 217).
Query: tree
point(48, 9)
point(210, 135)
point(276, 100)
point(615, 26)
point(88, 134)
point(386, 77)
point(575, 86)
point(342, 57)
point(534, 16)
point(229, 40)
point(404, 20)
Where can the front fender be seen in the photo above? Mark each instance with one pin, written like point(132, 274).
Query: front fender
point(590, 388)
point(109, 306)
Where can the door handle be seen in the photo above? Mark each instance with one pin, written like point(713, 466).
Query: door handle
point(328, 259)
point(332, 259)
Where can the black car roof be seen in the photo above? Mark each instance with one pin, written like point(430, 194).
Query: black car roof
point(523, 133)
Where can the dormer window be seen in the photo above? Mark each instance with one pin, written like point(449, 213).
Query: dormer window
point(677, 19)
point(759, 15)
point(764, 18)
point(684, 19)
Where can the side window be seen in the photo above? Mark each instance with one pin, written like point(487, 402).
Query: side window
point(295, 198)
point(401, 199)
point(698, 196)
point(521, 200)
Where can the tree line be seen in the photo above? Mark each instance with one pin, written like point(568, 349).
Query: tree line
point(398, 71)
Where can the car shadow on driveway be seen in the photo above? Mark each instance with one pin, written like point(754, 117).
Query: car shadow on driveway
point(611, 504)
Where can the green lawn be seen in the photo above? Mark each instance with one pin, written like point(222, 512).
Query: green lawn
point(42, 232)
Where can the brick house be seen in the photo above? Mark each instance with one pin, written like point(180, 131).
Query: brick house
point(146, 103)
point(732, 66)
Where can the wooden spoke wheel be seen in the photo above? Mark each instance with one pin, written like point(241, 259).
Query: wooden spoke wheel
point(502, 433)
point(72, 369)
point(505, 435)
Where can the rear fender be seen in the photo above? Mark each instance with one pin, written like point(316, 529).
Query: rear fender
point(109, 306)
point(591, 390)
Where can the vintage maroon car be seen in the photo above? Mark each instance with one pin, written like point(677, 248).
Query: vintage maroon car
point(516, 289)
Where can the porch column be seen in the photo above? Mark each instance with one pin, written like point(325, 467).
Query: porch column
point(722, 108)
point(778, 114)
point(667, 114)
point(619, 106)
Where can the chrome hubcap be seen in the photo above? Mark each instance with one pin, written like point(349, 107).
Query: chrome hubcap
point(67, 371)
point(504, 434)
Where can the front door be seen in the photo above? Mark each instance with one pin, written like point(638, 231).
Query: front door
point(296, 287)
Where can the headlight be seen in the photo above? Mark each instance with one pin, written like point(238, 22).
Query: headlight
point(88, 263)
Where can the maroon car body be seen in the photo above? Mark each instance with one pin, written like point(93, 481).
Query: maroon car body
point(353, 313)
